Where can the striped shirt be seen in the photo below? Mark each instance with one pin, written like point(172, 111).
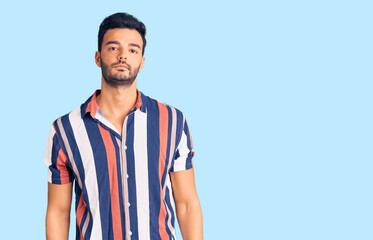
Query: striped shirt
point(122, 183)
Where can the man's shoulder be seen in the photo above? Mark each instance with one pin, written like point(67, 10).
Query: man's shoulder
point(72, 116)
point(153, 104)
point(76, 114)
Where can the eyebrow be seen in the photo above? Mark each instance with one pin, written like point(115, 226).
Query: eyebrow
point(130, 44)
point(112, 42)
point(134, 45)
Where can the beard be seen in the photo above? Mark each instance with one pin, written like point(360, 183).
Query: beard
point(118, 79)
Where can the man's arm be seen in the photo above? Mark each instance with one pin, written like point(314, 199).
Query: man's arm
point(188, 208)
point(58, 211)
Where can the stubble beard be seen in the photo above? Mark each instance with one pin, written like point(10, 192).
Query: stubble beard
point(116, 80)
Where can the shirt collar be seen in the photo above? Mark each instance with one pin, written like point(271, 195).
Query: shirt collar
point(92, 106)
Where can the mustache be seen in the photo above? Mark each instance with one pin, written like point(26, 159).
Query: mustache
point(122, 63)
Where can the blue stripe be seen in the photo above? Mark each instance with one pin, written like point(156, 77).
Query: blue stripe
point(89, 228)
point(186, 131)
point(153, 143)
point(179, 126)
point(56, 174)
point(58, 133)
point(71, 178)
point(169, 205)
point(83, 107)
point(132, 178)
point(84, 218)
point(71, 140)
point(77, 235)
point(100, 159)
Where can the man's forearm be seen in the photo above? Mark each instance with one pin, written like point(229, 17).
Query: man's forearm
point(190, 220)
point(57, 225)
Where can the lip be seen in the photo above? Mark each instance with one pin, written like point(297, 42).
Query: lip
point(121, 66)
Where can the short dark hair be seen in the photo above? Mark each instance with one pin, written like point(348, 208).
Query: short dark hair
point(121, 20)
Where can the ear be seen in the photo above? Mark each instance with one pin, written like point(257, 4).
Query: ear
point(98, 58)
point(142, 64)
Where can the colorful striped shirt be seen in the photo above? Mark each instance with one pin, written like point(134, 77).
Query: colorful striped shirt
point(122, 182)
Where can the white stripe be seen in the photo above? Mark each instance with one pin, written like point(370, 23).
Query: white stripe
point(141, 172)
point(173, 139)
point(69, 152)
point(84, 229)
point(168, 186)
point(48, 153)
point(167, 181)
point(179, 163)
point(124, 172)
point(86, 154)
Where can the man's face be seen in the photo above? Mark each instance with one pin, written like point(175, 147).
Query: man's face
point(120, 58)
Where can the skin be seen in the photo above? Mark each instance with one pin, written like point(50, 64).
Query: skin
point(115, 101)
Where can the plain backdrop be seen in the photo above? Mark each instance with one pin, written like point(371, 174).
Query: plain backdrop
point(278, 97)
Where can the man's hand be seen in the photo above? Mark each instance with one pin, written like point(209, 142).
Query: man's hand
point(188, 208)
point(58, 211)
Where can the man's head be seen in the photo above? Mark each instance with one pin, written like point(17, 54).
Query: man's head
point(121, 43)
point(121, 20)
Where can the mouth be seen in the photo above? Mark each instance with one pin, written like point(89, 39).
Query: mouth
point(121, 66)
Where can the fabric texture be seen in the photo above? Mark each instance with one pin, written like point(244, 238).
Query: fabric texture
point(122, 183)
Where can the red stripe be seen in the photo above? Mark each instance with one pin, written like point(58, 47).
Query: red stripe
point(92, 105)
point(138, 100)
point(79, 214)
point(61, 166)
point(163, 133)
point(113, 178)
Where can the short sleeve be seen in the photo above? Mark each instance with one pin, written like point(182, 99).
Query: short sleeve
point(55, 159)
point(183, 153)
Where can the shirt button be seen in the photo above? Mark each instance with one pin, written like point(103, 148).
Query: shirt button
point(127, 176)
point(125, 147)
point(130, 233)
point(128, 204)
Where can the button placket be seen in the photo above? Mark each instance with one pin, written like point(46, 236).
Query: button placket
point(124, 178)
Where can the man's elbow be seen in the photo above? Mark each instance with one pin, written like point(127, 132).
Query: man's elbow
point(185, 207)
point(62, 213)
point(57, 223)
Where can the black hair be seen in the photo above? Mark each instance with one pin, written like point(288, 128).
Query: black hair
point(121, 20)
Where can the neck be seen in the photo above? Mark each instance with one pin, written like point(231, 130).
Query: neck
point(117, 102)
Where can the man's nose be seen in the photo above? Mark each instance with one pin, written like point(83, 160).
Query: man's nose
point(122, 56)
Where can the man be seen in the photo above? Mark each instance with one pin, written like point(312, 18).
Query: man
point(127, 153)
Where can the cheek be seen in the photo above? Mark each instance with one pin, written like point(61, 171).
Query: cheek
point(136, 62)
point(108, 57)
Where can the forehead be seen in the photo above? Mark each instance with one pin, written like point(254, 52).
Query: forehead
point(123, 36)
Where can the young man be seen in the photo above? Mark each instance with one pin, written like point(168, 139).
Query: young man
point(128, 153)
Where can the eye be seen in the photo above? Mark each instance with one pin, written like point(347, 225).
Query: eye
point(113, 48)
point(133, 51)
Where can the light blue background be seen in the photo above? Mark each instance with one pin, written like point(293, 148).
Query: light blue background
point(277, 95)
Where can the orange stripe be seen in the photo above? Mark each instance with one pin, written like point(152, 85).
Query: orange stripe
point(61, 165)
point(94, 106)
point(113, 178)
point(163, 133)
point(80, 213)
